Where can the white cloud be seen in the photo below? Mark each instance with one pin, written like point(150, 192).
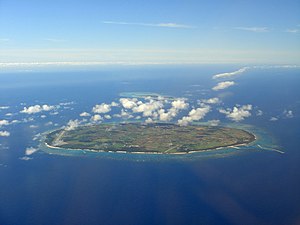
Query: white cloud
point(47, 107)
point(230, 74)
point(237, 113)
point(25, 158)
point(30, 151)
point(4, 134)
point(72, 124)
point(84, 114)
point(124, 114)
point(147, 109)
point(194, 115)
point(108, 117)
point(292, 31)
point(54, 113)
point(253, 29)
point(273, 118)
point(67, 103)
point(4, 123)
point(167, 25)
point(213, 122)
point(37, 108)
point(102, 108)
point(223, 85)
point(4, 107)
point(50, 123)
point(114, 104)
point(164, 116)
point(179, 104)
point(211, 101)
point(259, 113)
point(128, 103)
point(96, 118)
point(149, 120)
point(288, 114)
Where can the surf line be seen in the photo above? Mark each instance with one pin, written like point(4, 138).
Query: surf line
point(270, 149)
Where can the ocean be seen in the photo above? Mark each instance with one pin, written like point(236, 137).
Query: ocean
point(250, 186)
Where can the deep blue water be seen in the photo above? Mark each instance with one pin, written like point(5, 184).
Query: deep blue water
point(254, 187)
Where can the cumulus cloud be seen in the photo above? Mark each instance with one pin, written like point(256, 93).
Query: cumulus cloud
point(177, 105)
point(147, 109)
point(4, 133)
point(108, 117)
point(230, 74)
point(102, 108)
point(223, 85)
point(237, 113)
point(211, 101)
point(273, 118)
point(128, 103)
point(259, 113)
point(152, 108)
point(30, 151)
point(84, 114)
point(72, 124)
point(96, 118)
point(124, 114)
point(37, 108)
point(194, 115)
point(288, 114)
point(149, 120)
point(213, 122)
point(4, 123)
point(114, 104)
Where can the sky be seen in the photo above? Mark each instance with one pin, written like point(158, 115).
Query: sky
point(90, 32)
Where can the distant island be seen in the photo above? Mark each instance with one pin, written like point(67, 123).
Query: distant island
point(164, 138)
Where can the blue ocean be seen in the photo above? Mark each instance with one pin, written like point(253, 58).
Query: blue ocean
point(245, 186)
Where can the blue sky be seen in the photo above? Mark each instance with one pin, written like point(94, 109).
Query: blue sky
point(137, 32)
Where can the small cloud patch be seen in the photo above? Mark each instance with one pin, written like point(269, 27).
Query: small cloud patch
point(223, 85)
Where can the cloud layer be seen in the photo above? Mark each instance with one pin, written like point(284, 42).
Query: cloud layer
point(166, 25)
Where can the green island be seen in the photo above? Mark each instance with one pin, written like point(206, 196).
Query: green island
point(164, 138)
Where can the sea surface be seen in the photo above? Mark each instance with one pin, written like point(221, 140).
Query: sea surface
point(250, 186)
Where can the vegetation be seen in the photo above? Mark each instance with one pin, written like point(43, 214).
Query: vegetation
point(152, 138)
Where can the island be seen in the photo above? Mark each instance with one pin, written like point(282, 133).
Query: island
point(163, 138)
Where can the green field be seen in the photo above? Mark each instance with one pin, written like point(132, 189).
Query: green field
point(150, 138)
